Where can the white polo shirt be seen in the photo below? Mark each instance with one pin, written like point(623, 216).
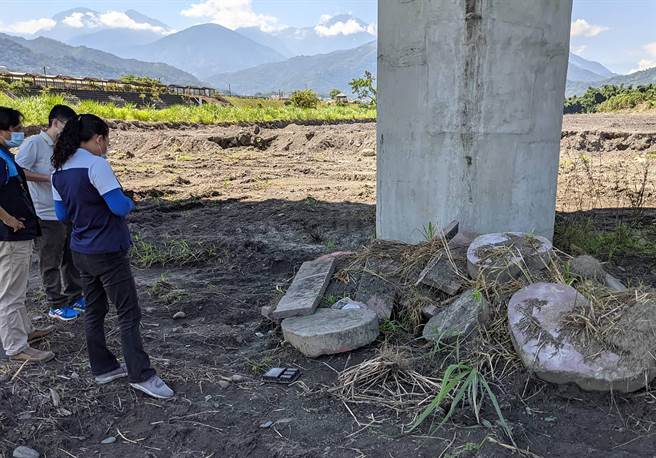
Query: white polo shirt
point(34, 155)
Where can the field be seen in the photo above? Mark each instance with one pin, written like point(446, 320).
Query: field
point(219, 233)
point(36, 111)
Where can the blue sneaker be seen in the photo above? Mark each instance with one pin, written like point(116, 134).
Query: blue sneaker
point(63, 313)
point(80, 305)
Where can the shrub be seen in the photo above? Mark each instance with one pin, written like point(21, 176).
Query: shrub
point(305, 99)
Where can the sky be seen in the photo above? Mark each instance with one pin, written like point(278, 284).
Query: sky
point(616, 33)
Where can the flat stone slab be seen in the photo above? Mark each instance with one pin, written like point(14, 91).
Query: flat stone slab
point(303, 296)
point(459, 319)
point(440, 272)
point(329, 332)
point(535, 316)
point(591, 268)
point(375, 290)
point(501, 256)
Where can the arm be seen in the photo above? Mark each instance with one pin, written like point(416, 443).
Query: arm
point(118, 203)
point(26, 158)
point(38, 177)
point(103, 179)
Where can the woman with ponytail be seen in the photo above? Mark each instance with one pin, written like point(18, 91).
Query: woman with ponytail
point(87, 193)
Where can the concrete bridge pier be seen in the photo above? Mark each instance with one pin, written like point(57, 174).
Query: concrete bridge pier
point(470, 114)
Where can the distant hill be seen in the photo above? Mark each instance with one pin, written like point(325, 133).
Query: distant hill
point(581, 69)
point(206, 50)
point(331, 34)
point(634, 79)
point(321, 73)
point(24, 55)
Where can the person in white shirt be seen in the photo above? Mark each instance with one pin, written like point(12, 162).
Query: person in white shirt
point(61, 280)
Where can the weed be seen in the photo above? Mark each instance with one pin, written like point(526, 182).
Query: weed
point(171, 252)
point(462, 384)
point(430, 231)
point(391, 327)
point(166, 293)
point(330, 246)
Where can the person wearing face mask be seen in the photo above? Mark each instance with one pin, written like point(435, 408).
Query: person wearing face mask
point(19, 228)
point(87, 193)
point(61, 280)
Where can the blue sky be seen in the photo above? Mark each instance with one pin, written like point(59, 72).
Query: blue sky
point(617, 33)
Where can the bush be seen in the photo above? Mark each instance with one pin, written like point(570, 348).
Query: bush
point(305, 99)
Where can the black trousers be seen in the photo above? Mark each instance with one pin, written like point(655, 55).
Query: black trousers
point(61, 280)
point(108, 276)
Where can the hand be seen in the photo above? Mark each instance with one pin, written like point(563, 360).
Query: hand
point(14, 223)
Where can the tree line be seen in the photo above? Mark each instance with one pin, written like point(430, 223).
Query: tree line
point(612, 98)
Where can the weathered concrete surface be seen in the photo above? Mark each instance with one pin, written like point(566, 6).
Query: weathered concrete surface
point(535, 317)
point(470, 102)
point(306, 291)
point(502, 256)
point(459, 319)
point(328, 331)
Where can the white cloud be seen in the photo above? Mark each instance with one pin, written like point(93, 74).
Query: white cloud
point(30, 27)
point(582, 28)
point(110, 20)
point(232, 14)
point(325, 29)
point(579, 49)
point(119, 20)
point(649, 61)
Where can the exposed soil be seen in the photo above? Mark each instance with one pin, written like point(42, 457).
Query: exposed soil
point(250, 216)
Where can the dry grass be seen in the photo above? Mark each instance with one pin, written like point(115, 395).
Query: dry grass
point(389, 380)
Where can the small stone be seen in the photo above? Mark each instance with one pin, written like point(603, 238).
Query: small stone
point(347, 304)
point(429, 311)
point(267, 424)
point(257, 130)
point(459, 319)
point(37, 318)
point(266, 311)
point(310, 135)
point(614, 284)
point(24, 415)
point(588, 267)
point(149, 309)
point(224, 384)
point(179, 315)
point(108, 440)
point(25, 452)
point(208, 398)
point(259, 335)
point(329, 332)
point(369, 152)
point(237, 378)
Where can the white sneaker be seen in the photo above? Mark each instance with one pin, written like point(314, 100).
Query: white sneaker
point(107, 377)
point(154, 387)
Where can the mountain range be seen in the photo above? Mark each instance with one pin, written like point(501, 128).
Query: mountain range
point(33, 56)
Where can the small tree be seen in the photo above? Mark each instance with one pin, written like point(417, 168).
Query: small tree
point(364, 88)
point(305, 99)
point(334, 93)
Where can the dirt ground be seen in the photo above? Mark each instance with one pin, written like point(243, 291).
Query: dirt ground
point(220, 232)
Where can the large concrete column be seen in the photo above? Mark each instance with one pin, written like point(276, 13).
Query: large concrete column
point(469, 114)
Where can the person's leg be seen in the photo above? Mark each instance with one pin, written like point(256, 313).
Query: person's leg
point(119, 284)
point(102, 360)
point(70, 275)
point(15, 325)
point(50, 247)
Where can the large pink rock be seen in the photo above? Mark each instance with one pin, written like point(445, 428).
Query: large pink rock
point(535, 314)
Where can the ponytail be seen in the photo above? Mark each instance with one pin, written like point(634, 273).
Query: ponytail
point(80, 129)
